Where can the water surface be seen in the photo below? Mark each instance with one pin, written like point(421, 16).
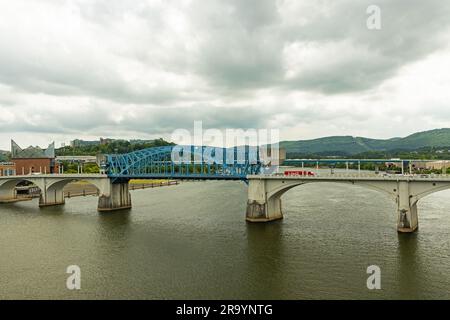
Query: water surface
point(191, 242)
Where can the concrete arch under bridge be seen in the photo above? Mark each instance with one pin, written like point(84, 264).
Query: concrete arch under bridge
point(265, 191)
point(111, 196)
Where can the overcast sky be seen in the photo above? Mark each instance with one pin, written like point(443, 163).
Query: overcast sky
point(140, 69)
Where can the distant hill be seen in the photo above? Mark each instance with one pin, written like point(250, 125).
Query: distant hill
point(111, 146)
point(348, 145)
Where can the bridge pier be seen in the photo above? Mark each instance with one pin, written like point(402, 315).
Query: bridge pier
point(8, 195)
point(51, 197)
point(118, 198)
point(259, 207)
point(408, 220)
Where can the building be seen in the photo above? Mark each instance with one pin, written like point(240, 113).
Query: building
point(34, 159)
point(77, 159)
point(7, 169)
point(438, 165)
point(82, 143)
point(140, 141)
point(282, 155)
point(104, 141)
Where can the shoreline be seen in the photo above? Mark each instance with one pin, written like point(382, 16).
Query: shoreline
point(82, 189)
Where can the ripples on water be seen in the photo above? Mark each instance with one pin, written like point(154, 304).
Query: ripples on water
point(191, 241)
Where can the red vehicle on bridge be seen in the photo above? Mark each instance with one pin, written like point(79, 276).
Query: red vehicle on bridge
point(299, 173)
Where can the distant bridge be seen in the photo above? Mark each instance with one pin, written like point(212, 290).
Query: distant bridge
point(264, 192)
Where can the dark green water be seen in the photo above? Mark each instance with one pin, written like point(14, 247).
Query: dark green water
point(191, 241)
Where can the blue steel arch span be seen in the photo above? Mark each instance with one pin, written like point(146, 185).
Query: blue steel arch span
point(193, 162)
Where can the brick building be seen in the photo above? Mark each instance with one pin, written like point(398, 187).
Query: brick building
point(34, 159)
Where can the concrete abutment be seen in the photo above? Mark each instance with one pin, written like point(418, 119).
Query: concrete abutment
point(407, 220)
point(260, 207)
point(52, 197)
point(8, 195)
point(118, 198)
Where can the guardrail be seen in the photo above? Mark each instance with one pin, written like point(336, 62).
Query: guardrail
point(356, 175)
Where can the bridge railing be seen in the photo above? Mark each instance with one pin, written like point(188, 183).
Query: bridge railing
point(362, 175)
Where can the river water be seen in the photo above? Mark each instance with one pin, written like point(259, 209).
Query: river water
point(191, 241)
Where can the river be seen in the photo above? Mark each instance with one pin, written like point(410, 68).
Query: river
point(191, 241)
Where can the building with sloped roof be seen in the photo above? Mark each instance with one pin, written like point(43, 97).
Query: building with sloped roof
point(33, 160)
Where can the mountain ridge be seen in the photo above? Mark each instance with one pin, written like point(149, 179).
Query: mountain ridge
point(350, 145)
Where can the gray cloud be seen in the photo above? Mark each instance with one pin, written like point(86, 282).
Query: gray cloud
point(357, 58)
point(94, 119)
point(105, 67)
point(234, 45)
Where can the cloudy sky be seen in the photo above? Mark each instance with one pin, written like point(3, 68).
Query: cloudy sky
point(143, 68)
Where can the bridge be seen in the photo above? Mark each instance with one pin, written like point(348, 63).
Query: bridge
point(265, 191)
point(111, 196)
point(192, 162)
point(265, 188)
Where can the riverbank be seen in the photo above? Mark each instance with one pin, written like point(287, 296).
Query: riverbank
point(82, 188)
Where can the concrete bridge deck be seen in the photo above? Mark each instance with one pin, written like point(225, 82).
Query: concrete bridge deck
point(341, 176)
point(56, 175)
